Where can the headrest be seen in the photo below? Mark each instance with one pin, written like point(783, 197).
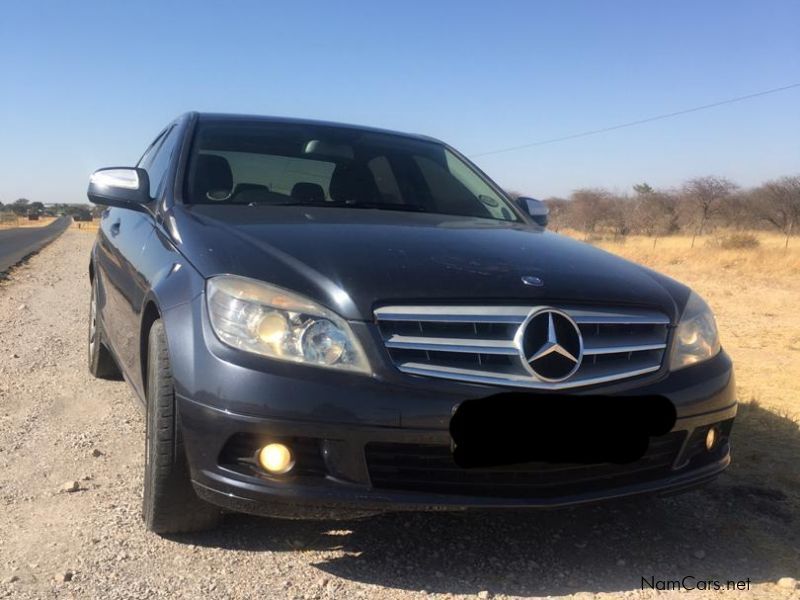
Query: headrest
point(248, 187)
point(213, 179)
point(353, 182)
point(308, 192)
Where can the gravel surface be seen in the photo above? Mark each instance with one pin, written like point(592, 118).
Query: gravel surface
point(71, 461)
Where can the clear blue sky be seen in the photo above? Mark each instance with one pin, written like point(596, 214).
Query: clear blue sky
point(88, 84)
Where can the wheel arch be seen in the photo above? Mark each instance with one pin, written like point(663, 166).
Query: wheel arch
point(150, 314)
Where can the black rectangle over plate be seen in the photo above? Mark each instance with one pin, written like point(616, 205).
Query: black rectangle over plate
point(515, 428)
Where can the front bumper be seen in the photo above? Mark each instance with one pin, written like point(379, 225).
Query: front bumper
point(230, 404)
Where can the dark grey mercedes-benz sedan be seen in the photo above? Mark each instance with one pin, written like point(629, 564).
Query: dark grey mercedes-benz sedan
point(327, 320)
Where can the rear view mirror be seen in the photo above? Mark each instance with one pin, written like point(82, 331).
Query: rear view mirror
point(328, 149)
point(120, 187)
point(535, 209)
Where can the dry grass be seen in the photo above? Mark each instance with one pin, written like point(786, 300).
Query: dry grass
point(87, 226)
point(10, 222)
point(755, 293)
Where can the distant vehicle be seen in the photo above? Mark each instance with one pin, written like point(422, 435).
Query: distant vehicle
point(33, 216)
point(82, 215)
point(327, 320)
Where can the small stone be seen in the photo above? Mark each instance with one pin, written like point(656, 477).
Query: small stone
point(483, 594)
point(621, 562)
point(699, 554)
point(22, 307)
point(96, 453)
point(71, 486)
point(322, 582)
point(580, 545)
point(11, 579)
point(64, 576)
point(584, 596)
point(789, 583)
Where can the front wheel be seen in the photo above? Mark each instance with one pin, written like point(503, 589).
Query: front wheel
point(170, 504)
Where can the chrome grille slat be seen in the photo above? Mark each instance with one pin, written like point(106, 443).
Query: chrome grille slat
point(453, 314)
point(479, 344)
point(514, 380)
point(622, 349)
point(475, 346)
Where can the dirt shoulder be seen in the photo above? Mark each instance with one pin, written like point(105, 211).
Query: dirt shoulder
point(59, 426)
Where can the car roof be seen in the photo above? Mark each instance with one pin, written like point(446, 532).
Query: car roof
point(226, 117)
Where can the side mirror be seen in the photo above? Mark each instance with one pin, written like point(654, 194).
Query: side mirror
point(120, 187)
point(536, 209)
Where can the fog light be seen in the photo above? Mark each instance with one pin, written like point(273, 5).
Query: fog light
point(712, 437)
point(276, 459)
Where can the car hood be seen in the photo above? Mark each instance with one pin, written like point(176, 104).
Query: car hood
point(352, 260)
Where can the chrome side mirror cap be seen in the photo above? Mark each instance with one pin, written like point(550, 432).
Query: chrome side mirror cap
point(120, 187)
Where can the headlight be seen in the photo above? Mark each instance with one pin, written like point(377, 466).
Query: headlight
point(696, 338)
point(257, 317)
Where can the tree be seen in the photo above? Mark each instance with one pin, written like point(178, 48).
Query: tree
point(780, 204)
point(655, 214)
point(642, 189)
point(587, 206)
point(559, 211)
point(20, 206)
point(616, 215)
point(704, 196)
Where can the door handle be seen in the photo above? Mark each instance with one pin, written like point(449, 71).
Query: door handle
point(115, 227)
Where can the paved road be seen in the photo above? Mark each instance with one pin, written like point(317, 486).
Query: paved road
point(16, 244)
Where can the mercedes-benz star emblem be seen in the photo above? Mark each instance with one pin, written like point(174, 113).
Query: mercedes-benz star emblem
point(550, 345)
point(532, 280)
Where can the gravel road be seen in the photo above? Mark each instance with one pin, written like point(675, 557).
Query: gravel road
point(71, 474)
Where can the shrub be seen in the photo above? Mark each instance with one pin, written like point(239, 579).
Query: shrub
point(735, 241)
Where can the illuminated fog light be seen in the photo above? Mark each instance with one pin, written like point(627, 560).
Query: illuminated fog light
point(712, 437)
point(276, 459)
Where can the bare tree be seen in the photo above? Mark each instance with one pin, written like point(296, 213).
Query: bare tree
point(655, 214)
point(587, 207)
point(704, 196)
point(739, 211)
point(780, 204)
point(616, 215)
point(559, 211)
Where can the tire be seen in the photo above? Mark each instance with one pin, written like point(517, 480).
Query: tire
point(101, 363)
point(170, 504)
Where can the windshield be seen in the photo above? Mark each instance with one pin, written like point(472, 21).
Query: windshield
point(262, 163)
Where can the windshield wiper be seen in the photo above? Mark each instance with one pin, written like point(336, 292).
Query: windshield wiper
point(366, 205)
point(387, 206)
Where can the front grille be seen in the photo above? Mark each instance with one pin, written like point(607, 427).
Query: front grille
point(431, 469)
point(481, 344)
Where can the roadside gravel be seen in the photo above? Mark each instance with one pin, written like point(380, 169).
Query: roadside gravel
point(70, 481)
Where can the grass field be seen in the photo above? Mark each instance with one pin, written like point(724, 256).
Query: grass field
point(87, 226)
point(9, 221)
point(755, 294)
